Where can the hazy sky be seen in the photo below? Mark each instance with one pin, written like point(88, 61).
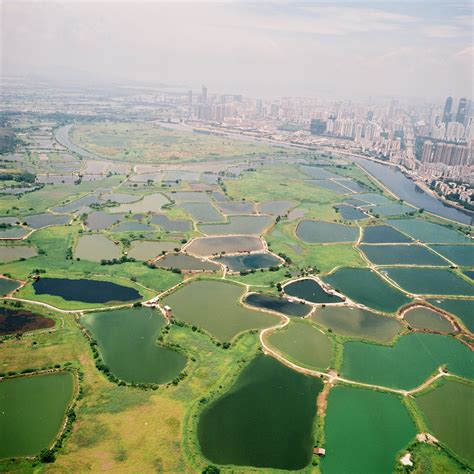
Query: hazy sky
point(414, 48)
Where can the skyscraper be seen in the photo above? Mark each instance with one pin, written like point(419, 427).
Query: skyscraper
point(204, 95)
point(447, 110)
point(462, 110)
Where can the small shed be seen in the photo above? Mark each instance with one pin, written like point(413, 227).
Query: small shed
point(319, 451)
point(167, 308)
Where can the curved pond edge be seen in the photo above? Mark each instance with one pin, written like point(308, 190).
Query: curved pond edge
point(160, 342)
point(69, 414)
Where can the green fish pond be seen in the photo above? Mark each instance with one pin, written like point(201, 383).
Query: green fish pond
point(32, 410)
point(408, 363)
point(364, 430)
point(127, 341)
point(264, 420)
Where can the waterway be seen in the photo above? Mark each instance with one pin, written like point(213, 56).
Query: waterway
point(410, 192)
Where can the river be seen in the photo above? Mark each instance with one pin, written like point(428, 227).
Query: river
point(410, 192)
point(62, 136)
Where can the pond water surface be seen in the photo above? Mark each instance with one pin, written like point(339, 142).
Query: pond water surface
point(364, 431)
point(241, 428)
point(128, 344)
point(33, 410)
point(310, 290)
point(20, 320)
point(275, 303)
point(87, 291)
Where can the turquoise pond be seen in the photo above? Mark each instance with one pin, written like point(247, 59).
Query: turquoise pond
point(408, 363)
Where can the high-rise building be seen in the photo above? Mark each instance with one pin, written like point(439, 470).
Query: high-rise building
point(428, 149)
point(204, 95)
point(462, 110)
point(455, 131)
point(447, 110)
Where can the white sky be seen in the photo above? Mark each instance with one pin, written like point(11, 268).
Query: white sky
point(413, 48)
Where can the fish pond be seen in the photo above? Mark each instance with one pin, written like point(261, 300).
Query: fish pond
point(207, 246)
point(236, 207)
point(240, 428)
point(364, 431)
point(310, 290)
point(127, 341)
point(10, 253)
point(448, 411)
point(33, 409)
point(366, 287)
point(421, 317)
point(253, 261)
point(303, 344)
point(7, 286)
point(146, 249)
point(101, 220)
point(239, 225)
point(36, 221)
point(278, 304)
point(350, 213)
point(462, 255)
point(87, 291)
point(202, 212)
point(132, 226)
point(428, 232)
point(357, 322)
point(402, 255)
point(407, 364)
point(13, 232)
point(325, 232)
point(13, 321)
point(275, 208)
point(214, 306)
point(186, 263)
point(429, 281)
point(96, 247)
point(170, 225)
point(150, 203)
point(383, 234)
point(463, 309)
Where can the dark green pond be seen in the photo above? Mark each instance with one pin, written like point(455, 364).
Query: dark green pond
point(364, 431)
point(127, 343)
point(253, 261)
point(463, 309)
point(429, 281)
point(383, 234)
point(402, 255)
point(366, 287)
point(357, 322)
point(310, 290)
point(409, 363)
point(87, 291)
point(32, 410)
point(281, 305)
point(264, 420)
point(7, 286)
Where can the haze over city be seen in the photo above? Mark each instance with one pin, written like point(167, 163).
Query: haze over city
point(332, 49)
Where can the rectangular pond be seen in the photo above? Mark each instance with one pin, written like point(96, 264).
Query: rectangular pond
point(402, 255)
point(278, 304)
point(239, 225)
point(206, 246)
point(315, 232)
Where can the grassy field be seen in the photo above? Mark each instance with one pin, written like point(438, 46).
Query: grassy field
point(151, 143)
